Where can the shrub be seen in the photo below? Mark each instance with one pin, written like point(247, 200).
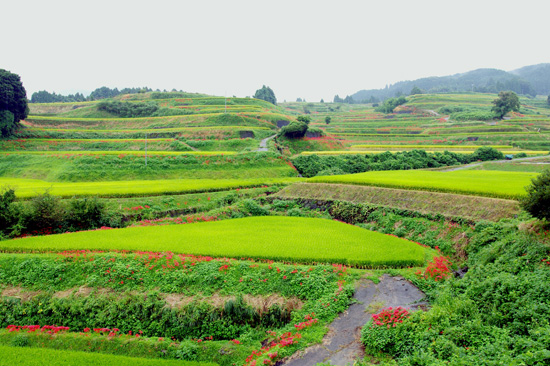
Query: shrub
point(44, 214)
point(86, 213)
point(294, 130)
point(295, 212)
point(537, 201)
point(128, 109)
point(250, 207)
point(487, 153)
point(10, 214)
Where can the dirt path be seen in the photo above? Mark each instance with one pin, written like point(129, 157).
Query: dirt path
point(494, 161)
point(263, 143)
point(342, 343)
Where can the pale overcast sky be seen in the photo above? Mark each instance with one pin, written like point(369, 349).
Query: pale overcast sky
point(307, 49)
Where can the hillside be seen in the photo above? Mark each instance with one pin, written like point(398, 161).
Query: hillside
point(530, 80)
point(537, 75)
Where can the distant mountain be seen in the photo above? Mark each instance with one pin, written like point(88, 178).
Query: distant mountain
point(529, 80)
point(537, 75)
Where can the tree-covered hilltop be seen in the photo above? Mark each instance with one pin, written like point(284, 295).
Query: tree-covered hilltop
point(529, 80)
point(537, 75)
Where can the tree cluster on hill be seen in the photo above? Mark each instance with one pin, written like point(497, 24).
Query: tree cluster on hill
point(267, 94)
point(507, 101)
point(312, 165)
point(13, 102)
point(104, 92)
point(296, 129)
point(138, 109)
point(127, 109)
point(350, 100)
point(479, 81)
point(46, 97)
point(389, 105)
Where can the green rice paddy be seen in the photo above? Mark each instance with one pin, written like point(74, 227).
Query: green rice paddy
point(293, 239)
point(474, 182)
point(39, 357)
point(26, 188)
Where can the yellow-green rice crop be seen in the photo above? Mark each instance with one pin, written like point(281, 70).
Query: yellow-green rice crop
point(39, 356)
point(379, 151)
point(483, 183)
point(25, 188)
point(117, 152)
point(294, 239)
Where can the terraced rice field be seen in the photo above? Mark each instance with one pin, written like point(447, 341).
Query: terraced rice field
point(293, 239)
point(484, 183)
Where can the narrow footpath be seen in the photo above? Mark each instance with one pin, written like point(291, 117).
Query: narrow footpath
point(342, 344)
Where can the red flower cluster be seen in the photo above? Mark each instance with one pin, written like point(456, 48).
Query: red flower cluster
point(284, 340)
point(308, 323)
point(50, 329)
point(390, 317)
point(439, 269)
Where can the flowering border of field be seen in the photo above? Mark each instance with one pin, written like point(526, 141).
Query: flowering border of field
point(280, 238)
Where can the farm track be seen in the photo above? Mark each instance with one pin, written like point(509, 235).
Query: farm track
point(494, 161)
point(342, 344)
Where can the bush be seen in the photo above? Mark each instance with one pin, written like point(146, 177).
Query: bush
point(537, 201)
point(331, 171)
point(294, 130)
point(295, 212)
point(89, 213)
point(127, 109)
point(250, 207)
point(44, 215)
point(10, 214)
point(487, 153)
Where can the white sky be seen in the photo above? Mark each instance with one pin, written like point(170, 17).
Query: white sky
point(307, 49)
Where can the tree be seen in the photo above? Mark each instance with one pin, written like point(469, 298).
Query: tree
point(507, 101)
point(486, 153)
point(548, 100)
point(337, 99)
point(13, 102)
point(327, 120)
point(322, 100)
point(304, 119)
point(265, 93)
point(294, 130)
point(537, 201)
point(416, 90)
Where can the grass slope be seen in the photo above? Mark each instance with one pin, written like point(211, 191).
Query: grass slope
point(37, 356)
point(446, 204)
point(294, 239)
point(482, 183)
